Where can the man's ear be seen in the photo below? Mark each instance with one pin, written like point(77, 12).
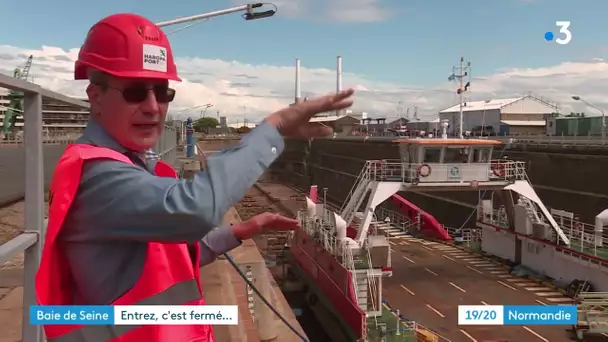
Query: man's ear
point(94, 93)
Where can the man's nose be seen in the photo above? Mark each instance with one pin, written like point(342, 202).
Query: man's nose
point(150, 104)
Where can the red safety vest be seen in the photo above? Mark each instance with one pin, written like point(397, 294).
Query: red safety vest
point(169, 276)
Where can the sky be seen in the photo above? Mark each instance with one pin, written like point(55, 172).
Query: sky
point(397, 54)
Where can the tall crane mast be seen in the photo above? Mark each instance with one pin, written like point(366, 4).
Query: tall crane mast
point(15, 105)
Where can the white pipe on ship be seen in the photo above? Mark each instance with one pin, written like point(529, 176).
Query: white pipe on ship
point(298, 86)
point(339, 79)
point(339, 75)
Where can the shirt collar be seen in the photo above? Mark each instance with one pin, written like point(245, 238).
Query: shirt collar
point(94, 134)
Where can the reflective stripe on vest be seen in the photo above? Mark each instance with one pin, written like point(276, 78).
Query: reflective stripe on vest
point(180, 293)
point(170, 275)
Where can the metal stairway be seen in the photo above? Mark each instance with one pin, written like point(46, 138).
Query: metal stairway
point(531, 210)
point(361, 285)
point(389, 229)
point(356, 195)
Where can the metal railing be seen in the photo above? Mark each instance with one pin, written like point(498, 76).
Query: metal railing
point(582, 235)
point(523, 139)
point(51, 138)
point(396, 170)
point(166, 147)
point(30, 241)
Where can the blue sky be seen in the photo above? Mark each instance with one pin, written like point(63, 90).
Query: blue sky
point(417, 44)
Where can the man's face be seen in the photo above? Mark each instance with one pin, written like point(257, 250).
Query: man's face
point(132, 111)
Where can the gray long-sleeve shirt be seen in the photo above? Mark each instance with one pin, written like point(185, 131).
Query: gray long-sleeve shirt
point(120, 207)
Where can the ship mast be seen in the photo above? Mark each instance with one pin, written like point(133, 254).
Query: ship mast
point(459, 73)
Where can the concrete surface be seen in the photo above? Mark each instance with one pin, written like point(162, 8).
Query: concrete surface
point(431, 279)
point(12, 162)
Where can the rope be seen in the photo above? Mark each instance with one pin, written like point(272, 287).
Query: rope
point(270, 306)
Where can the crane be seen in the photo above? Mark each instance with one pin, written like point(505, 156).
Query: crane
point(15, 105)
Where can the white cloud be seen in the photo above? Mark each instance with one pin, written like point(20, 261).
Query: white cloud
point(240, 90)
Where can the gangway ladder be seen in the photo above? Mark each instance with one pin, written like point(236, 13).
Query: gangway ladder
point(356, 195)
point(592, 314)
point(531, 209)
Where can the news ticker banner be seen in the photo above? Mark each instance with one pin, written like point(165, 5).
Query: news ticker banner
point(517, 314)
point(135, 315)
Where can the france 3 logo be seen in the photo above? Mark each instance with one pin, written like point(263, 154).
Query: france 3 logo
point(564, 31)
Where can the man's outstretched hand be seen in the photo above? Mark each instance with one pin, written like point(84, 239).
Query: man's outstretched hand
point(263, 222)
point(294, 122)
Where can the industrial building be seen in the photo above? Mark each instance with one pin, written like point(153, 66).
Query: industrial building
point(514, 116)
point(341, 124)
point(57, 117)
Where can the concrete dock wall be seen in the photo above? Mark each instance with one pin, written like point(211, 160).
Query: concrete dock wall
point(12, 169)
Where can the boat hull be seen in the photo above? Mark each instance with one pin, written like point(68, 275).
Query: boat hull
point(331, 278)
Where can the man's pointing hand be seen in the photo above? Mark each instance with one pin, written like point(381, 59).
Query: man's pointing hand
point(263, 222)
point(294, 122)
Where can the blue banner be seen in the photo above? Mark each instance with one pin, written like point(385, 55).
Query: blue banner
point(540, 314)
point(58, 315)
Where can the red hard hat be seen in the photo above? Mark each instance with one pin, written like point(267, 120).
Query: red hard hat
point(127, 45)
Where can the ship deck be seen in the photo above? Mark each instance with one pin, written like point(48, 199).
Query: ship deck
point(431, 279)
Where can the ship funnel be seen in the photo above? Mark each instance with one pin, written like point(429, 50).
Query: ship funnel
point(340, 227)
point(298, 95)
point(311, 208)
point(313, 194)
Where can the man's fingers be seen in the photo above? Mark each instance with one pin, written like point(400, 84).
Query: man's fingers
point(343, 94)
point(329, 102)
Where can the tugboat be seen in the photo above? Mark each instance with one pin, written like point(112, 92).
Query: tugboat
point(343, 254)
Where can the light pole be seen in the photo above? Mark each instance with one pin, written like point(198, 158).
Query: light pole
point(578, 98)
point(249, 14)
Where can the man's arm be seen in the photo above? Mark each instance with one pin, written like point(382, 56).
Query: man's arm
point(216, 242)
point(118, 201)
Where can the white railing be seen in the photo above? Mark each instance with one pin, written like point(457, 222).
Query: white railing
point(397, 219)
point(521, 139)
point(349, 263)
point(494, 171)
point(466, 236)
point(372, 287)
point(582, 235)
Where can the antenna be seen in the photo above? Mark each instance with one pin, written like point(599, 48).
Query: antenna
point(407, 114)
point(459, 73)
point(416, 114)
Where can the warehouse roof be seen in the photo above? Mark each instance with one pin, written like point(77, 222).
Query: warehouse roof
point(482, 105)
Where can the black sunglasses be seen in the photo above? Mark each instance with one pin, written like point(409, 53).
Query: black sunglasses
point(137, 93)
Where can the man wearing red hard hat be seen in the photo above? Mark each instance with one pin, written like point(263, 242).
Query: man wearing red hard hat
point(123, 231)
